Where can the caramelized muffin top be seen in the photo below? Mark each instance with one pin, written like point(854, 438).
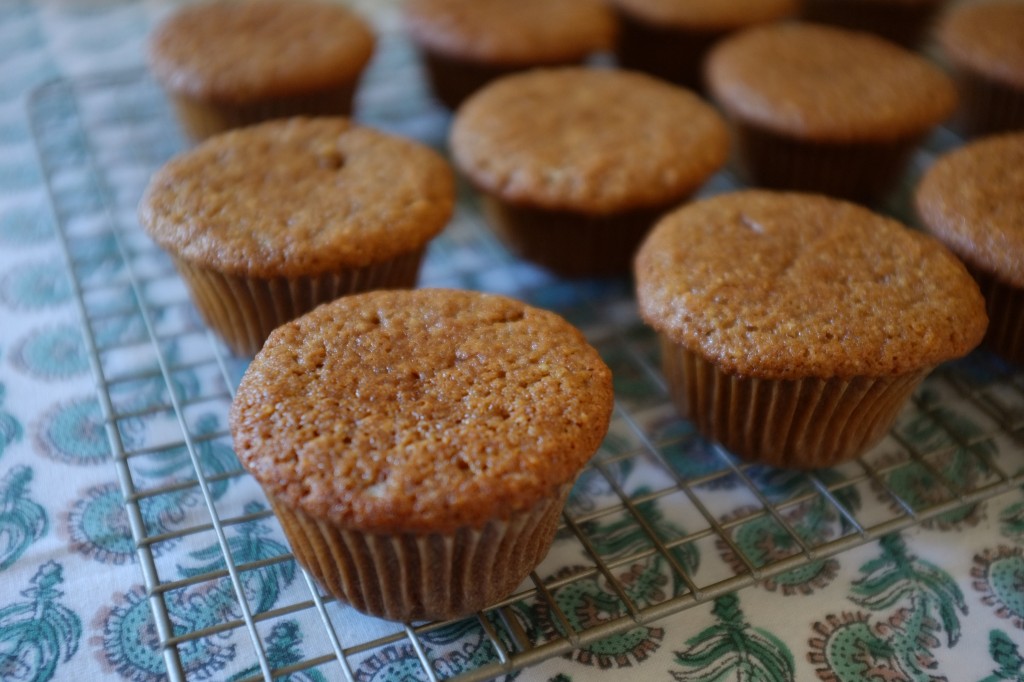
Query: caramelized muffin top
point(420, 411)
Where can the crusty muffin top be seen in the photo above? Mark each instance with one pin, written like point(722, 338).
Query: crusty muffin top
point(511, 32)
point(827, 84)
point(420, 411)
point(707, 15)
point(300, 196)
point(596, 141)
point(987, 37)
point(235, 51)
point(972, 199)
point(790, 286)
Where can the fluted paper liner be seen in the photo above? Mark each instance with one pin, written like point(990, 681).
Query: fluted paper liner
point(803, 423)
point(435, 576)
point(1005, 307)
point(573, 244)
point(200, 119)
point(244, 310)
point(857, 171)
point(987, 106)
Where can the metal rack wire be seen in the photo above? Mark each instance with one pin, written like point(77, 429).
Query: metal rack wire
point(165, 383)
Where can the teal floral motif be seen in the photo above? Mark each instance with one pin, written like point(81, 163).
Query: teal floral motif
point(37, 635)
point(35, 286)
point(283, 649)
point(22, 521)
point(10, 428)
point(919, 487)
point(215, 457)
point(922, 602)
point(732, 649)
point(130, 646)
point(24, 226)
point(998, 574)
point(1011, 522)
point(97, 524)
point(1007, 656)
point(52, 353)
point(73, 433)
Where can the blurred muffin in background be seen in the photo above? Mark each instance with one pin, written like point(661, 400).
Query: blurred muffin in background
point(467, 43)
point(230, 63)
point(972, 199)
point(670, 38)
point(823, 109)
point(984, 45)
point(906, 22)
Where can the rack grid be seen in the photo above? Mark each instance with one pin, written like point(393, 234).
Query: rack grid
point(654, 498)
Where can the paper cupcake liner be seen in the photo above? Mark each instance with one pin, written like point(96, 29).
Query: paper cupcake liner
point(1005, 307)
point(801, 424)
point(987, 106)
point(433, 576)
point(860, 171)
point(244, 310)
point(200, 119)
point(673, 54)
point(572, 244)
point(453, 80)
point(904, 23)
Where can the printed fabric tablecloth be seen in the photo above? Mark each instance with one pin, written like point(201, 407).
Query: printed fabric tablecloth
point(940, 600)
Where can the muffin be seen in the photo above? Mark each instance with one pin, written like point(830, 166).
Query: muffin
point(794, 326)
point(670, 39)
point(822, 109)
point(984, 45)
point(266, 222)
point(906, 22)
point(418, 446)
point(468, 43)
point(575, 164)
point(972, 199)
point(230, 63)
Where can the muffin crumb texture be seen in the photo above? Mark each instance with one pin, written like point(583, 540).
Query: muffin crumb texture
point(421, 411)
point(789, 286)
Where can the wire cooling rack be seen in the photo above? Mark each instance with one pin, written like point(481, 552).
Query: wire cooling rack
point(218, 574)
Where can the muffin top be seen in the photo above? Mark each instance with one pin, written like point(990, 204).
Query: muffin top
point(300, 196)
point(986, 37)
point(595, 141)
point(511, 32)
point(420, 411)
point(707, 15)
point(790, 286)
point(972, 199)
point(236, 51)
point(827, 84)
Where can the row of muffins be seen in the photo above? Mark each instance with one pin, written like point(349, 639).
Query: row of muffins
point(465, 393)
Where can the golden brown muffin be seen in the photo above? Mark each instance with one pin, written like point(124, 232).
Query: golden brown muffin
point(230, 63)
point(906, 22)
point(576, 164)
point(669, 39)
point(418, 446)
point(795, 326)
point(468, 43)
point(266, 222)
point(984, 44)
point(824, 109)
point(972, 199)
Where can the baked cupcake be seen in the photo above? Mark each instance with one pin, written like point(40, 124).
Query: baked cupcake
point(230, 63)
point(984, 45)
point(670, 39)
point(826, 110)
point(266, 222)
point(906, 22)
point(794, 326)
point(575, 164)
point(468, 43)
point(972, 199)
point(418, 446)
